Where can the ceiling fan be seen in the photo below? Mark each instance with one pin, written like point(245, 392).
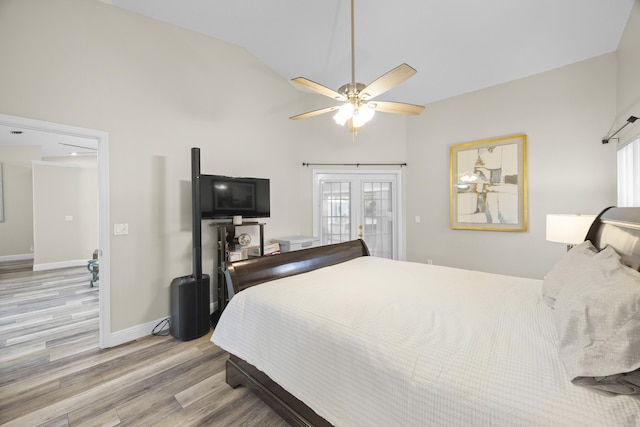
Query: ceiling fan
point(358, 107)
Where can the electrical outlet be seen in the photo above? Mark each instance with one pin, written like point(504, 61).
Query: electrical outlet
point(430, 261)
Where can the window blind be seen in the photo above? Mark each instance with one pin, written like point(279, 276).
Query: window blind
point(629, 173)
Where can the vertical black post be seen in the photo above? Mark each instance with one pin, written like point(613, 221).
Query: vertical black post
point(190, 294)
point(196, 214)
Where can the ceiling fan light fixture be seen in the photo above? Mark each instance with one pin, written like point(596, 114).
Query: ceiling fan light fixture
point(345, 112)
point(362, 115)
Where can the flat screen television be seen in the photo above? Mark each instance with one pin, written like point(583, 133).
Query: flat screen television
point(224, 197)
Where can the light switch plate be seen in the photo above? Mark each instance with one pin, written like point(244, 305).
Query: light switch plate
point(120, 229)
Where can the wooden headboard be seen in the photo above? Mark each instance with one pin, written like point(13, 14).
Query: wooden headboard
point(616, 227)
point(620, 229)
point(244, 274)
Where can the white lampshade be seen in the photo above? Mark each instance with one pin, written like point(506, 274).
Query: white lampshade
point(568, 228)
point(364, 114)
point(345, 112)
point(360, 116)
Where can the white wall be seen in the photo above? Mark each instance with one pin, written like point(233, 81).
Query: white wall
point(628, 90)
point(381, 141)
point(50, 247)
point(159, 90)
point(564, 113)
point(16, 232)
point(65, 220)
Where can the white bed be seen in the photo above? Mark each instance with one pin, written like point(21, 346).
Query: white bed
point(374, 342)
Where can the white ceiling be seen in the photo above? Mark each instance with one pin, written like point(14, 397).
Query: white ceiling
point(52, 144)
point(456, 46)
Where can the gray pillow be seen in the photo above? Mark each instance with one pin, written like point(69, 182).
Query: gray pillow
point(575, 260)
point(597, 317)
point(627, 383)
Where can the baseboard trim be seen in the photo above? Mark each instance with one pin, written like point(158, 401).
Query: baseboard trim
point(133, 333)
point(139, 331)
point(61, 264)
point(18, 257)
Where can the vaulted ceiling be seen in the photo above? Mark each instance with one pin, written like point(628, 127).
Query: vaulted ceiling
point(456, 46)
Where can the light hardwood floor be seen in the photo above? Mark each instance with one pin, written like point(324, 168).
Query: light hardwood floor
point(52, 372)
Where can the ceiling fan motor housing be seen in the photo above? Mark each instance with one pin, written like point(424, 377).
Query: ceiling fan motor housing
point(348, 91)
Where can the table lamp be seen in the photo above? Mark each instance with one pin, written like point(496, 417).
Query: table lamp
point(570, 229)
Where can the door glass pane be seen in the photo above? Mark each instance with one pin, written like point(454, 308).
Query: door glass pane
point(378, 218)
point(335, 213)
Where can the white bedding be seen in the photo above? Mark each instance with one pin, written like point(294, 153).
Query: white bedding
point(374, 342)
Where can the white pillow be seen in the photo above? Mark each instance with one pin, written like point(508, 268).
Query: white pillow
point(597, 317)
point(575, 260)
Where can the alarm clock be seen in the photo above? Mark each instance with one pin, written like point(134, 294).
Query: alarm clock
point(243, 239)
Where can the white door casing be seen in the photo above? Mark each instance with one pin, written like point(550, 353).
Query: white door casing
point(103, 205)
point(359, 204)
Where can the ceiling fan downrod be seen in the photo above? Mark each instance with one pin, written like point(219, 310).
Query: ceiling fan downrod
point(353, 48)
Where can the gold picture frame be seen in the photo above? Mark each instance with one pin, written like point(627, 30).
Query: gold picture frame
point(488, 184)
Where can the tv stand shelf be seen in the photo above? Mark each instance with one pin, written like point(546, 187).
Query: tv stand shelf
point(224, 243)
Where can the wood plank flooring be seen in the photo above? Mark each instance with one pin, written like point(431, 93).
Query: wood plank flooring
point(52, 372)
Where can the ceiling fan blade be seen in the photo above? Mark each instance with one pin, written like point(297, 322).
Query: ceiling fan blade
point(396, 107)
point(318, 88)
point(387, 81)
point(315, 113)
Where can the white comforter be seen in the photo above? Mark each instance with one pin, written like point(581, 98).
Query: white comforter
point(374, 342)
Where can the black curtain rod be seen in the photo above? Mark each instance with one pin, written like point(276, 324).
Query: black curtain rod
point(354, 164)
point(629, 121)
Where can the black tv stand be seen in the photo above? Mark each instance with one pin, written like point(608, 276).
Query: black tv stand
point(225, 233)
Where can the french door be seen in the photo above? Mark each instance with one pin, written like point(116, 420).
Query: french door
point(354, 205)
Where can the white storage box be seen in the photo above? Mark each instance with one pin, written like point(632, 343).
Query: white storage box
point(294, 243)
point(270, 248)
point(237, 255)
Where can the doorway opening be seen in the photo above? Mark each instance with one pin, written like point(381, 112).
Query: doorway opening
point(359, 205)
point(56, 130)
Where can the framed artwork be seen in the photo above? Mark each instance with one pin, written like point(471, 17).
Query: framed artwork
point(488, 185)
